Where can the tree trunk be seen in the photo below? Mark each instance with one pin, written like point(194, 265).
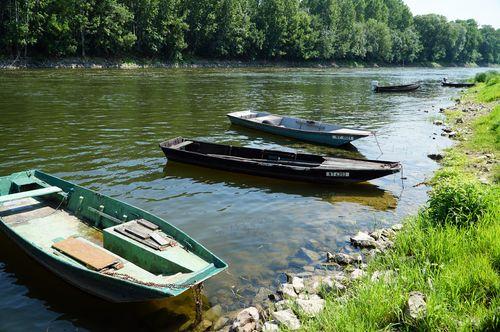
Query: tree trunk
point(82, 39)
point(16, 9)
point(27, 24)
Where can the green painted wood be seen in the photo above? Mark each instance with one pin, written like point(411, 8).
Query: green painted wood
point(31, 193)
point(84, 210)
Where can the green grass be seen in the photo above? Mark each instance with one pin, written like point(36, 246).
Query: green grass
point(488, 84)
point(487, 132)
point(450, 252)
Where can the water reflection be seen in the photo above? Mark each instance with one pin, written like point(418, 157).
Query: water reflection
point(365, 194)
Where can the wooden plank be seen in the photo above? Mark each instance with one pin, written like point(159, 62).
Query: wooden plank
point(138, 230)
point(147, 224)
point(159, 239)
point(86, 253)
point(147, 242)
point(30, 193)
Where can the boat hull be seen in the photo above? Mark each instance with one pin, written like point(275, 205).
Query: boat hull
point(110, 289)
point(304, 174)
point(329, 139)
point(457, 85)
point(397, 88)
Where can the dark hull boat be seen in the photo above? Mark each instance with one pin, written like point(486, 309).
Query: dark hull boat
point(101, 245)
point(276, 164)
point(304, 130)
point(396, 88)
point(457, 84)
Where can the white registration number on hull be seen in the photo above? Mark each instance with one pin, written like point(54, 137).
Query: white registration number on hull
point(343, 137)
point(338, 174)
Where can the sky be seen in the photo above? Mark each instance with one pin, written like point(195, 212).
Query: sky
point(483, 11)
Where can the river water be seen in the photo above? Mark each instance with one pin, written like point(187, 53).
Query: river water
point(101, 129)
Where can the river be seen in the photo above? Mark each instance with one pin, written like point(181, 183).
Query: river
point(101, 129)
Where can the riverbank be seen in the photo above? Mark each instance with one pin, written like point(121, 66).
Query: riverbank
point(440, 272)
point(446, 260)
point(138, 63)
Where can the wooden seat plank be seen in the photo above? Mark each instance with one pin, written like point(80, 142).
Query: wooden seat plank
point(86, 253)
point(30, 193)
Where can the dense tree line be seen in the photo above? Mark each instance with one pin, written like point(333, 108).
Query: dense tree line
point(372, 30)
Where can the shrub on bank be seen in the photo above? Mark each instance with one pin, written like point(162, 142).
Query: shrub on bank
point(491, 89)
point(457, 202)
point(485, 77)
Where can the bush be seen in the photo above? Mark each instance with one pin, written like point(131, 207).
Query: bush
point(485, 77)
point(457, 202)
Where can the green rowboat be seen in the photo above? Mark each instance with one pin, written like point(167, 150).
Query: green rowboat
point(103, 246)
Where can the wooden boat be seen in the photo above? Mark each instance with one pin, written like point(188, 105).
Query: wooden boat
point(276, 164)
point(103, 246)
point(457, 84)
point(395, 88)
point(305, 130)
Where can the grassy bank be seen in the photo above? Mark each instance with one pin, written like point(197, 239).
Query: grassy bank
point(450, 251)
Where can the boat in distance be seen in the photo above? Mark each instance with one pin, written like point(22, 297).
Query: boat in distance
point(301, 129)
point(447, 83)
point(395, 88)
point(276, 164)
point(101, 245)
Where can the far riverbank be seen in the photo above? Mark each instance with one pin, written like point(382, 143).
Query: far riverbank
point(137, 63)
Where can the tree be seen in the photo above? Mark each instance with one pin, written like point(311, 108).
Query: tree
point(233, 35)
point(490, 44)
point(344, 28)
point(400, 15)
point(434, 33)
point(405, 45)
point(376, 10)
point(374, 30)
point(378, 41)
point(470, 52)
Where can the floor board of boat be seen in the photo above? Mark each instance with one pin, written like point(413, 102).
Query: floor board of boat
point(43, 225)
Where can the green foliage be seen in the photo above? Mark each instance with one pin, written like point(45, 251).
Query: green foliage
point(491, 89)
point(456, 202)
point(360, 30)
point(486, 76)
point(378, 40)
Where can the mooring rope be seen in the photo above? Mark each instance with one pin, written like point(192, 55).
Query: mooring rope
point(402, 181)
point(376, 140)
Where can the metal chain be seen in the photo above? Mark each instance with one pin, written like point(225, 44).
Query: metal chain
point(198, 301)
point(146, 283)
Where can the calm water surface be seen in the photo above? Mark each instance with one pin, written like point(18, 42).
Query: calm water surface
point(101, 129)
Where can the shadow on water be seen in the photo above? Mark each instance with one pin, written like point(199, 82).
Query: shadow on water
point(84, 310)
point(361, 193)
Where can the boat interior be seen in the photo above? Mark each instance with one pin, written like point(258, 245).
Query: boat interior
point(135, 250)
point(275, 157)
point(297, 124)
